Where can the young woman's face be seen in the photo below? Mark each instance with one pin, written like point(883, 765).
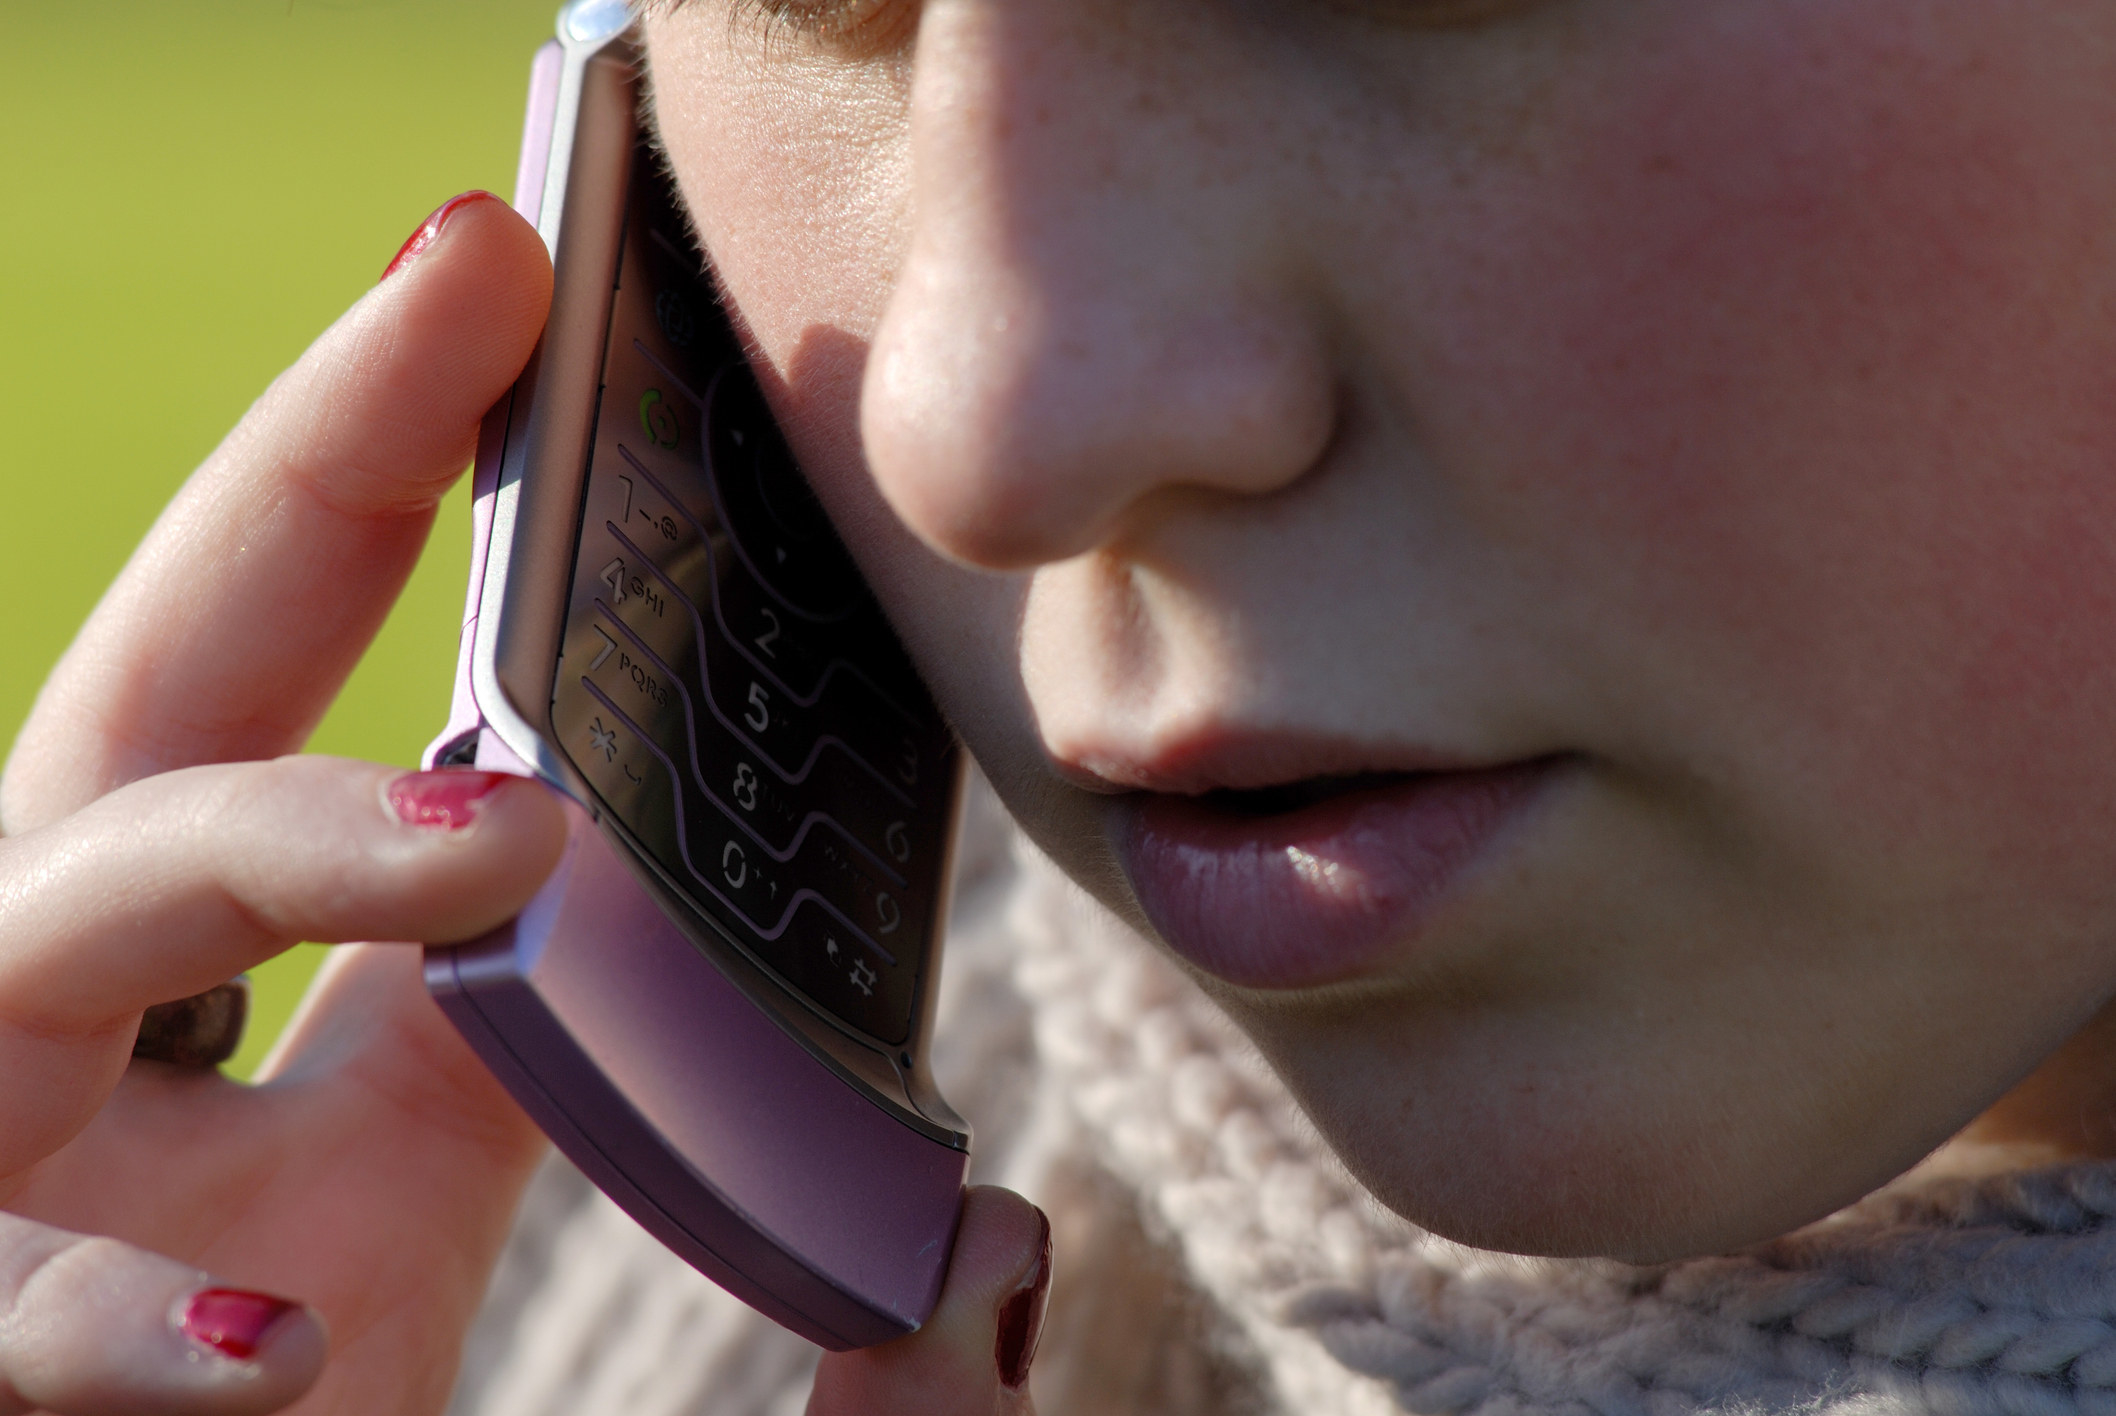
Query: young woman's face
point(1612, 503)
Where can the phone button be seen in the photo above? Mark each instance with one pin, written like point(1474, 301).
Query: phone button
point(633, 776)
point(847, 976)
point(803, 656)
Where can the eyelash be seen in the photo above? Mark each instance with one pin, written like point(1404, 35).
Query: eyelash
point(857, 22)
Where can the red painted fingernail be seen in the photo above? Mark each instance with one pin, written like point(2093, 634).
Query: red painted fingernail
point(449, 799)
point(430, 230)
point(1021, 1316)
point(231, 1321)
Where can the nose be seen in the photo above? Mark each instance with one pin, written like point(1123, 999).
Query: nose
point(1100, 305)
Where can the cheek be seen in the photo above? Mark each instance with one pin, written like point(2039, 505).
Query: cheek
point(1815, 409)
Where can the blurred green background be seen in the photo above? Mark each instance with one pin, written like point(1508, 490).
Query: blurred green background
point(189, 193)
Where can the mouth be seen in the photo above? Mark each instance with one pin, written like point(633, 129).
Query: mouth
point(1321, 879)
point(1257, 803)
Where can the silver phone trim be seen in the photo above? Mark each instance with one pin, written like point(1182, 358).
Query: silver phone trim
point(530, 421)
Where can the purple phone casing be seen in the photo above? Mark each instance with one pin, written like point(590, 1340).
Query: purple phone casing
point(707, 1120)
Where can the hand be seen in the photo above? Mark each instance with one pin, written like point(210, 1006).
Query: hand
point(150, 854)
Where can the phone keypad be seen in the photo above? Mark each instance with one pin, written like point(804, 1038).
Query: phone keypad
point(726, 685)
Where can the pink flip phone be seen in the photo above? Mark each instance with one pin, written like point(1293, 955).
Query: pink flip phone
point(718, 1007)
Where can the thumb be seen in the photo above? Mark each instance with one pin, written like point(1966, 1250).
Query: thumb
point(972, 1356)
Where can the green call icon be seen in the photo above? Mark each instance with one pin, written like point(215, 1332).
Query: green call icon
point(658, 418)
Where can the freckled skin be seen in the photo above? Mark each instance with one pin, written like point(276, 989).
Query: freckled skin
point(1716, 391)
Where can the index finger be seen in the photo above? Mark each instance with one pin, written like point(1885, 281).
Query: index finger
point(241, 613)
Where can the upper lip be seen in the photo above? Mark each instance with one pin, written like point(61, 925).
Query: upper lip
point(1233, 760)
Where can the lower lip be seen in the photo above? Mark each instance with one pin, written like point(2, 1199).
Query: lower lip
point(1322, 894)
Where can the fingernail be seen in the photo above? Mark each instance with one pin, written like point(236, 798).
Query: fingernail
point(449, 799)
point(430, 230)
point(1021, 1316)
point(231, 1321)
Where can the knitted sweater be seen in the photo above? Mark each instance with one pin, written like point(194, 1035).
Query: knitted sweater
point(1214, 1257)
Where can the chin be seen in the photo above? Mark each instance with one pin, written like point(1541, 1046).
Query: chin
point(1557, 1158)
point(1580, 1197)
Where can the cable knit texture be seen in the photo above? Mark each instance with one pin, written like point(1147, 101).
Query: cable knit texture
point(1245, 1271)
